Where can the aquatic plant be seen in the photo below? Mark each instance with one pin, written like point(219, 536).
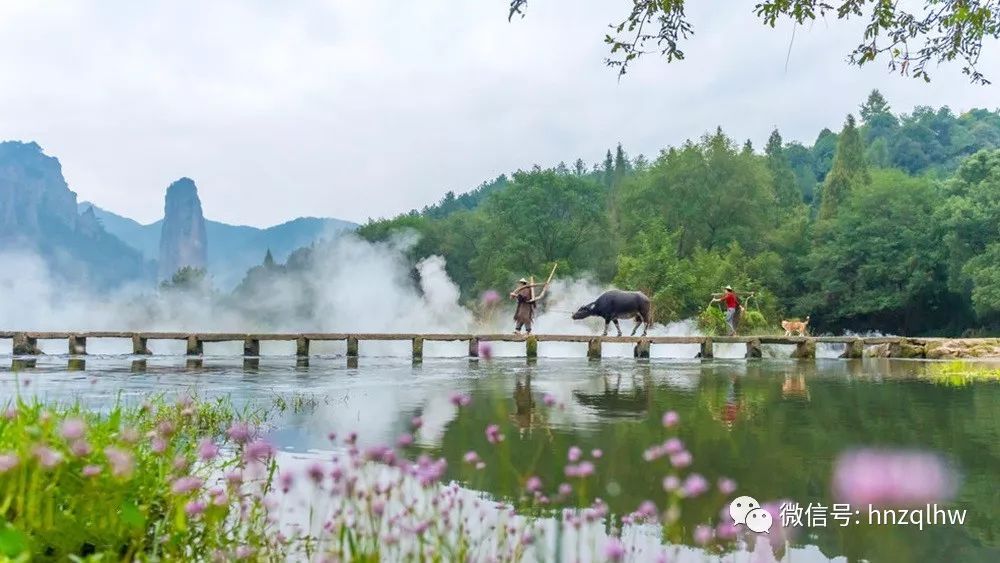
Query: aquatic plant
point(960, 373)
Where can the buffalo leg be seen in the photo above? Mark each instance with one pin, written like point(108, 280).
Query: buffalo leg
point(607, 322)
point(618, 327)
point(638, 321)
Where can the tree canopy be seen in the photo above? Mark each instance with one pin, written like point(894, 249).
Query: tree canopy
point(910, 36)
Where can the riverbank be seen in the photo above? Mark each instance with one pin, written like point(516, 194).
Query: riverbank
point(937, 348)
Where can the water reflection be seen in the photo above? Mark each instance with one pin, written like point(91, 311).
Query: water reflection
point(774, 426)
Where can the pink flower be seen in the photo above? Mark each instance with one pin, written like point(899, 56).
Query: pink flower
point(892, 478)
point(183, 485)
point(726, 529)
point(287, 480)
point(565, 489)
point(471, 457)
point(234, 477)
point(702, 534)
point(73, 429)
point(158, 445)
point(8, 462)
point(695, 485)
point(596, 454)
point(244, 552)
point(727, 486)
point(122, 462)
point(404, 440)
point(673, 446)
point(574, 454)
point(583, 470)
point(80, 448)
point(485, 350)
point(129, 435)
point(165, 428)
point(90, 470)
point(681, 459)
point(671, 483)
point(378, 507)
point(613, 549)
point(181, 463)
point(10, 413)
point(239, 432)
point(534, 484)
point(47, 457)
point(647, 509)
point(670, 418)
point(460, 399)
point(548, 399)
point(258, 451)
point(490, 297)
point(416, 422)
point(493, 434)
point(194, 508)
point(315, 473)
point(207, 450)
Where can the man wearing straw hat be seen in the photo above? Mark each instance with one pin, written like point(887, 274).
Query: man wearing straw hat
point(524, 293)
point(525, 311)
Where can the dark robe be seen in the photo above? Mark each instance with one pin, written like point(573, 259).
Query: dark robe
point(525, 311)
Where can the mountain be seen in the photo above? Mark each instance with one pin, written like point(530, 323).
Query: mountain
point(232, 249)
point(39, 214)
point(183, 242)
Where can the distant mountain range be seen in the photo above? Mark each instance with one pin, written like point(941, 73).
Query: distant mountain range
point(90, 246)
point(232, 249)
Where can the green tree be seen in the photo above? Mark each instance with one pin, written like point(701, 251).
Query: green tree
point(910, 37)
point(822, 153)
point(882, 265)
point(970, 219)
point(543, 218)
point(849, 171)
point(609, 169)
point(187, 278)
point(709, 192)
point(877, 116)
point(783, 179)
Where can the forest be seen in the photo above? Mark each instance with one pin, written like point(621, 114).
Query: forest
point(891, 224)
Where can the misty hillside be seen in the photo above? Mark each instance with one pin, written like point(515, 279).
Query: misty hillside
point(39, 216)
point(232, 249)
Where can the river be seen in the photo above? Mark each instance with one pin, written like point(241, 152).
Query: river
point(773, 426)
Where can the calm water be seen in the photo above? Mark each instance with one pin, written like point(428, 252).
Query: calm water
point(774, 426)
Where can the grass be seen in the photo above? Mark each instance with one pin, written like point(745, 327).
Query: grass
point(961, 373)
point(122, 485)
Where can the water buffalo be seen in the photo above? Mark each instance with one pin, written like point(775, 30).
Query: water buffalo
point(613, 305)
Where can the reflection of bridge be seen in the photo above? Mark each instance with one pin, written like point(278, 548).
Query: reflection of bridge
point(26, 343)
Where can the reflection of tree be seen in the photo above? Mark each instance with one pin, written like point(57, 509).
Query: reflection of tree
point(614, 402)
point(777, 449)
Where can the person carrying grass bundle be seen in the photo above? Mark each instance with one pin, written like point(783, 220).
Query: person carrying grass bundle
point(731, 303)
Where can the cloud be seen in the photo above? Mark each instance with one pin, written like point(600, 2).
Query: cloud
point(358, 109)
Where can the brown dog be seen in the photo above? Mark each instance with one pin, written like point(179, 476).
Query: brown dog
point(795, 326)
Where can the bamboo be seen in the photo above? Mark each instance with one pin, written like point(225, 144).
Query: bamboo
point(545, 287)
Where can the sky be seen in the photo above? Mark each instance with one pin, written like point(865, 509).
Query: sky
point(360, 110)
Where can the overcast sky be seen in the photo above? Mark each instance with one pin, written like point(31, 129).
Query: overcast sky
point(357, 109)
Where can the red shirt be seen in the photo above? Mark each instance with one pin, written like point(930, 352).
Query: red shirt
point(730, 300)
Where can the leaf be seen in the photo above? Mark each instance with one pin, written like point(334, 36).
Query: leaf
point(13, 542)
point(132, 516)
